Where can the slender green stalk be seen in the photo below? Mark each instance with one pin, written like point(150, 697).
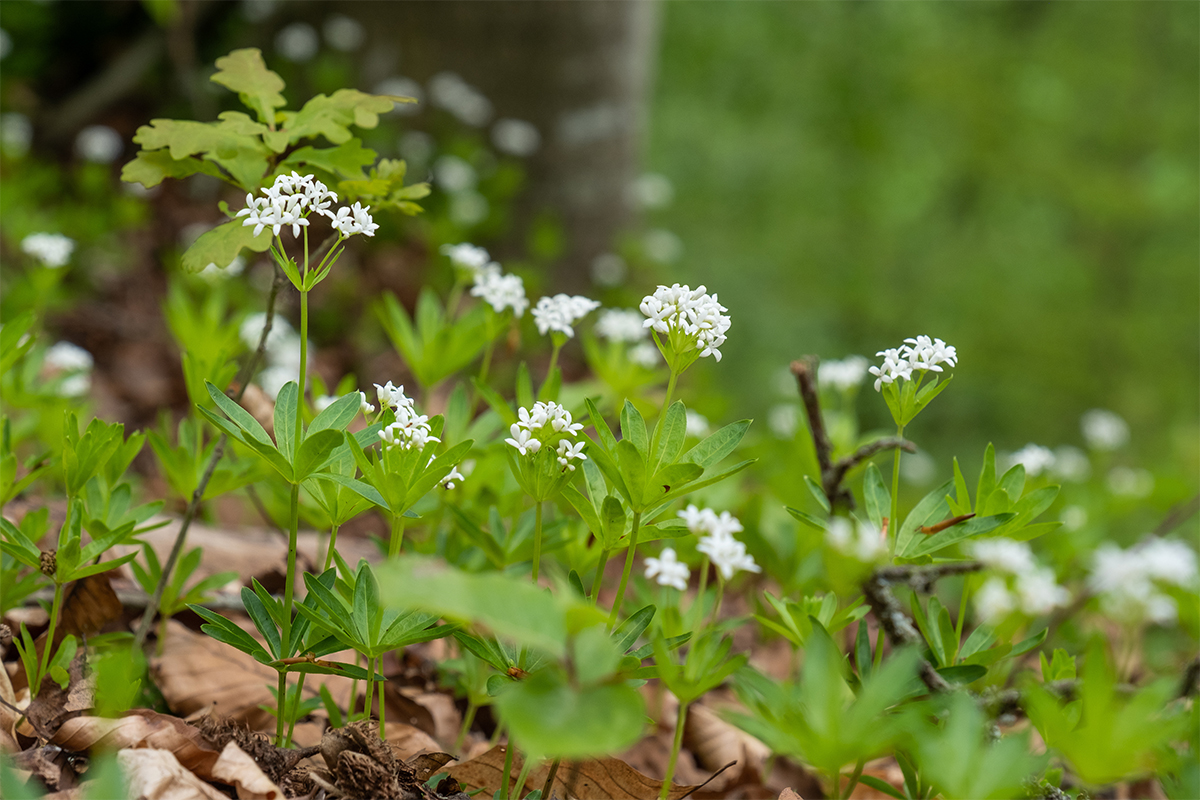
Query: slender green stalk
point(699, 604)
point(663, 412)
point(353, 690)
point(599, 579)
point(332, 546)
point(397, 535)
point(962, 610)
point(468, 720)
point(716, 612)
point(455, 298)
point(893, 522)
point(523, 775)
point(537, 540)
point(48, 650)
point(675, 748)
point(507, 776)
point(303, 371)
point(633, 537)
point(858, 768)
point(382, 703)
point(289, 588)
point(483, 373)
point(280, 702)
point(370, 692)
point(553, 362)
point(295, 712)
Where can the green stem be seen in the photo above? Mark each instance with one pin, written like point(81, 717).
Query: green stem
point(675, 748)
point(507, 776)
point(280, 702)
point(633, 537)
point(303, 372)
point(553, 365)
point(455, 298)
point(370, 694)
point(397, 535)
point(599, 579)
point(663, 412)
point(962, 608)
point(468, 720)
point(858, 768)
point(483, 373)
point(289, 588)
point(295, 712)
point(48, 651)
point(382, 704)
point(537, 540)
point(332, 546)
point(699, 604)
point(893, 523)
point(526, 766)
point(716, 612)
point(353, 690)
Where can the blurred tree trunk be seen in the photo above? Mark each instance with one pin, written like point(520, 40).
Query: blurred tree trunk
point(579, 71)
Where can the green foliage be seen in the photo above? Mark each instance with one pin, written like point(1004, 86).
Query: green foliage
point(248, 153)
point(796, 619)
point(1105, 736)
point(433, 345)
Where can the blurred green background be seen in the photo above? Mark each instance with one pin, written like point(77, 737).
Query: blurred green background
point(1019, 179)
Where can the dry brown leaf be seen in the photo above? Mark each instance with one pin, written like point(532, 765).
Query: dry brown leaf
point(596, 779)
point(88, 606)
point(444, 717)
point(158, 775)
point(788, 794)
point(715, 743)
point(140, 728)
point(49, 764)
point(408, 741)
point(8, 717)
point(886, 770)
point(238, 770)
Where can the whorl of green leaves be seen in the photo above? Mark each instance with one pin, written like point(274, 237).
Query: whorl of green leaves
point(249, 153)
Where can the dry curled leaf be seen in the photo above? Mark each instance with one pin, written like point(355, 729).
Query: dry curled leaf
point(158, 775)
point(715, 743)
point(595, 779)
point(788, 794)
point(140, 728)
point(238, 770)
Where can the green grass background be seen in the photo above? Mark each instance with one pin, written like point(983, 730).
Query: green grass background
point(1018, 179)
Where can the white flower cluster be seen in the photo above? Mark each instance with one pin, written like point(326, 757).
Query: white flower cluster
point(842, 375)
point(467, 256)
point(621, 325)
point(669, 570)
point(727, 554)
point(74, 363)
point(1036, 590)
point(52, 249)
point(500, 291)
point(560, 312)
point(645, 355)
point(1127, 580)
point(863, 542)
point(921, 353)
point(410, 430)
point(291, 199)
point(693, 312)
point(542, 424)
point(1034, 458)
point(282, 351)
point(1104, 430)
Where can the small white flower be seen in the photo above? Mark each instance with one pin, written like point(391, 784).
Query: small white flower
point(1126, 579)
point(994, 601)
point(1104, 430)
point(1169, 561)
point(99, 144)
point(467, 256)
point(1039, 593)
point(363, 405)
point(645, 355)
point(621, 325)
point(522, 440)
point(727, 554)
point(364, 222)
point(501, 292)
point(1035, 458)
point(919, 353)
point(858, 540)
point(67, 357)
point(841, 375)
point(668, 570)
point(393, 397)
point(568, 451)
point(52, 249)
point(697, 424)
point(560, 312)
point(1005, 555)
point(75, 385)
point(453, 478)
point(697, 319)
point(323, 402)
point(894, 367)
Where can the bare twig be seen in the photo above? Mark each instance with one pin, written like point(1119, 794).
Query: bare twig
point(241, 381)
point(1177, 516)
point(899, 628)
point(833, 473)
point(1190, 685)
point(547, 787)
